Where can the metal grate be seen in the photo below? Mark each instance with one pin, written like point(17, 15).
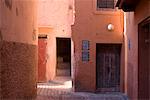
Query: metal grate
point(106, 4)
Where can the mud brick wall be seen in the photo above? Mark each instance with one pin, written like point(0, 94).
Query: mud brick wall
point(18, 70)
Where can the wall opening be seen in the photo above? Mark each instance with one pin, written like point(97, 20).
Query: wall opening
point(108, 67)
point(63, 67)
point(62, 80)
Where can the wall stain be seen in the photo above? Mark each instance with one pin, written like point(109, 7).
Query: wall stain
point(1, 37)
point(8, 4)
point(17, 13)
point(34, 35)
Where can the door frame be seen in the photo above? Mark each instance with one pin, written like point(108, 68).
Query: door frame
point(142, 23)
point(43, 37)
point(70, 53)
point(121, 66)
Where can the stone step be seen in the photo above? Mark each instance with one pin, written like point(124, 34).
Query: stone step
point(91, 96)
point(63, 72)
point(63, 65)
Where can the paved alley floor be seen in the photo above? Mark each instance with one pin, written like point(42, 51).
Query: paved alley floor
point(61, 89)
point(54, 90)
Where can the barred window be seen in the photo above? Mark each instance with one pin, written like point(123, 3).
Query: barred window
point(105, 4)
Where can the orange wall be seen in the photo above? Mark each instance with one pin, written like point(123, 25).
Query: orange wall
point(132, 19)
point(92, 25)
point(59, 16)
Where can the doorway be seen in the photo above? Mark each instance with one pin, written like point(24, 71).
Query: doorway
point(63, 67)
point(144, 60)
point(42, 47)
point(108, 67)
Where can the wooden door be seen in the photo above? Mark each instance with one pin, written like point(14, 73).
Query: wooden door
point(108, 67)
point(144, 61)
point(42, 43)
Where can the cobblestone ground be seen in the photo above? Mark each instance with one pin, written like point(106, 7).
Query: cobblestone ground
point(60, 89)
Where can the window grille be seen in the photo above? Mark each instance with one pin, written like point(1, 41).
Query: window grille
point(106, 4)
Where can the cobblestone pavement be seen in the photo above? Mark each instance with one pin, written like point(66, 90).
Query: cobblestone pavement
point(61, 89)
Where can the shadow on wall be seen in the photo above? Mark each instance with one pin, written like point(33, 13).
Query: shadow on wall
point(1, 37)
point(130, 80)
point(8, 4)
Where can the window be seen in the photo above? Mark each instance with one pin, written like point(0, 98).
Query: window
point(105, 4)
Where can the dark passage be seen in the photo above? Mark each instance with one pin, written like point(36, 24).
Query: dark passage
point(63, 57)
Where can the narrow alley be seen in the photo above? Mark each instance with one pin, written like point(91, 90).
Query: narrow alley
point(61, 89)
point(74, 49)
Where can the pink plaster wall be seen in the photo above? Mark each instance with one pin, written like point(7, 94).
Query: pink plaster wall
point(132, 19)
point(18, 49)
point(18, 22)
point(58, 15)
point(91, 25)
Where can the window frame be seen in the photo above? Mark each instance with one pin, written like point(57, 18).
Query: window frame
point(106, 5)
point(108, 11)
